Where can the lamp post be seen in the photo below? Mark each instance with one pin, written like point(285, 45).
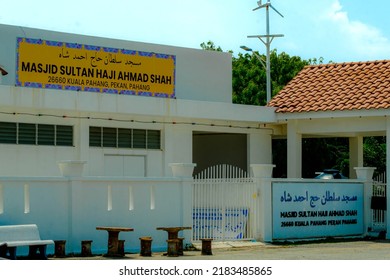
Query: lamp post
point(267, 40)
point(245, 48)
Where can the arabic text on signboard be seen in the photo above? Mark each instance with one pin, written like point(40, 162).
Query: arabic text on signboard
point(59, 65)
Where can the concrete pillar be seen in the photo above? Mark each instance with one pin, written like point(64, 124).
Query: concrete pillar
point(177, 145)
point(262, 175)
point(366, 174)
point(355, 154)
point(184, 172)
point(294, 150)
point(73, 170)
point(259, 147)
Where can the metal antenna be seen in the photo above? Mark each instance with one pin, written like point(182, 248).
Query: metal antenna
point(267, 42)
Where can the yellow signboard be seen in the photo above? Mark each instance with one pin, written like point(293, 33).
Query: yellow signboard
point(68, 66)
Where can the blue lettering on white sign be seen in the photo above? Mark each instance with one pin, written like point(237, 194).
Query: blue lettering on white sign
point(327, 197)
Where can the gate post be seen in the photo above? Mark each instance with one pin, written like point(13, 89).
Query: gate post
point(184, 172)
point(72, 170)
point(262, 176)
point(366, 174)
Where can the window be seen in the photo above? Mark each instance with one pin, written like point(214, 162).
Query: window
point(27, 133)
point(36, 134)
point(95, 136)
point(153, 139)
point(64, 135)
point(8, 133)
point(46, 134)
point(139, 138)
point(124, 138)
point(109, 137)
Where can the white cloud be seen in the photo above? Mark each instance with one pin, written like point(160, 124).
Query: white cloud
point(357, 37)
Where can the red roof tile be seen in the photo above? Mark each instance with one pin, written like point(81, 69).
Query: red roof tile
point(336, 87)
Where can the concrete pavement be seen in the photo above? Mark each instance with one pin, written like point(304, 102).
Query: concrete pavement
point(327, 250)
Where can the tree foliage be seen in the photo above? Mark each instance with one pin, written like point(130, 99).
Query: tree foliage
point(249, 76)
point(374, 153)
point(210, 46)
point(323, 153)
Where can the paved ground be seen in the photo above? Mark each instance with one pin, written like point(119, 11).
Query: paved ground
point(335, 250)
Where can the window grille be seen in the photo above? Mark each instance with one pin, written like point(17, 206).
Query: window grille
point(154, 139)
point(8, 133)
point(95, 136)
point(27, 133)
point(139, 138)
point(46, 134)
point(124, 138)
point(36, 134)
point(64, 135)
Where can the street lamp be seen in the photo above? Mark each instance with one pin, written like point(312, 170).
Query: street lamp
point(267, 40)
point(2, 71)
point(262, 61)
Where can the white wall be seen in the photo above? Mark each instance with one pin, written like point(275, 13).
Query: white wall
point(71, 210)
point(176, 119)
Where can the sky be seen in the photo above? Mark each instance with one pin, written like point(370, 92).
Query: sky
point(336, 30)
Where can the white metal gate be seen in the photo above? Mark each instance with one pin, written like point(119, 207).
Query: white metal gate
point(378, 203)
point(225, 204)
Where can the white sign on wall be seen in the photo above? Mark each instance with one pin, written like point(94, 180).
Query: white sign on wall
point(323, 209)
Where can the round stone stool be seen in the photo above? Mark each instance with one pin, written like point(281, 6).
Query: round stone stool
point(59, 248)
point(206, 246)
point(86, 248)
point(172, 247)
point(180, 246)
point(146, 246)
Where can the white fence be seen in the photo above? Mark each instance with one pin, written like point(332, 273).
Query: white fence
point(225, 204)
point(379, 203)
point(71, 209)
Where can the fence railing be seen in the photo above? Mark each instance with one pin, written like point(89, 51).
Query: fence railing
point(221, 171)
point(225, 204)
point(378, 204)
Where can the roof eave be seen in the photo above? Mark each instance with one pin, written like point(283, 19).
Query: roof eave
point(281, 117)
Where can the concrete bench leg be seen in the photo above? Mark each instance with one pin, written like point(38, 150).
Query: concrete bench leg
point(37, 252)
point(3, 251)
point(9, 253)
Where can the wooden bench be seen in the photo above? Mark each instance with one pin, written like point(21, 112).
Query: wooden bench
point(15, 236)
